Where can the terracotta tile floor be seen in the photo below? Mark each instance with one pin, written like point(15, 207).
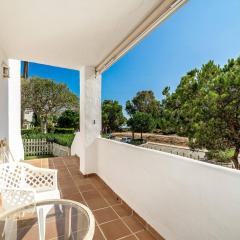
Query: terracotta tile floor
point(114, 220)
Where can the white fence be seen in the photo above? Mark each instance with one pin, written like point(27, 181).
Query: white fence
point(37, 147)
point(41, 147)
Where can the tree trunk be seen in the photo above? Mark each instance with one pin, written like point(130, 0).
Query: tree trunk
point(235, 158)
point(141, 135)
point(25, 70)
point(22, 116)
point(44, 126)
point(132, 134)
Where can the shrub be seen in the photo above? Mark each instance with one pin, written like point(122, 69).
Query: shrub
point(30, 131)
point(64, 139)
point(64, 130)
point(137, 141)
point(220, 156)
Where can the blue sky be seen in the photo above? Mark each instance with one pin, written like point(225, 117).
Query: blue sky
point(63, 75)
point(201, 30)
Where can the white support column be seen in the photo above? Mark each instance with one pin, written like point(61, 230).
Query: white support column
point(3, 99)
point(90, 119)
point(10, 109)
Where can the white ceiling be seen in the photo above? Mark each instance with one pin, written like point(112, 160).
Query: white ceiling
point(68, 33)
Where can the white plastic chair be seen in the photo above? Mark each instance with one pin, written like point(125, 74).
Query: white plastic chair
point(22, 183)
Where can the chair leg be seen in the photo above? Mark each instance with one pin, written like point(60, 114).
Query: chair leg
point(41, 223)
point(10, 229)
point(42, 213)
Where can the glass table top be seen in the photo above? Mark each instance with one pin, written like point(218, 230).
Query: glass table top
point(51, 219)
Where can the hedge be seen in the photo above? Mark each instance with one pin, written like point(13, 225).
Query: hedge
point(37, 130)
point(62, 139)
point(64, 130)
point(31, 131)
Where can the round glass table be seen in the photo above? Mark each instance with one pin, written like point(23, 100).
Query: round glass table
point(49, 219)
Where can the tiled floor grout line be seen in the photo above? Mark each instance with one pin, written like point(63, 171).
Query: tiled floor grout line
point(100, 224)
point(110, 206)
point(118, 217)
point(100, 229)
point(124, 221)
point(100, 209)
point(98, 190)
point(124, 237)
point(77, 188)
point(121, 218)
point(87, 205)
point(132, 233)
point(94, 217)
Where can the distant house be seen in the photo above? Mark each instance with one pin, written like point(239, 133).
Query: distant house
point(28, 118)
point(124, 128)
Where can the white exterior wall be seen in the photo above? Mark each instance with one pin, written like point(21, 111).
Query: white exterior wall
point(10, 105)
point(84, 144)
point(181, 198)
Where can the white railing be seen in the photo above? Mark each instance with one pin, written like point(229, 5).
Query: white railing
point(180, 197)
point(37, 147)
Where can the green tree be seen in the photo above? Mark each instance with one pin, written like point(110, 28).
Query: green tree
point(112, 116)
point(141, 122)
point(69, 119)
point(206, 107)
point(216, 122)
point(177, 107)
point(47, 98)
point(145, 102)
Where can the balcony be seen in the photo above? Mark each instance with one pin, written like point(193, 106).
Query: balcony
point(138, 193)
point(134, 193)
point(114, 218)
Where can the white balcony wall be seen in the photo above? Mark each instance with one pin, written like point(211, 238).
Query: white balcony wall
point(181, 198)
point(10, 105)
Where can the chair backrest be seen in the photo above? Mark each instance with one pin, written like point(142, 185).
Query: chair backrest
point(11, 175)
point(25, 176)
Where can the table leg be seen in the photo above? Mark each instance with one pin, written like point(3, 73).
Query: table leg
point(68, 223)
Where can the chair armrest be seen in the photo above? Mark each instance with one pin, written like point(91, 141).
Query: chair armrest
point(13, 197)
point(40, 179)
